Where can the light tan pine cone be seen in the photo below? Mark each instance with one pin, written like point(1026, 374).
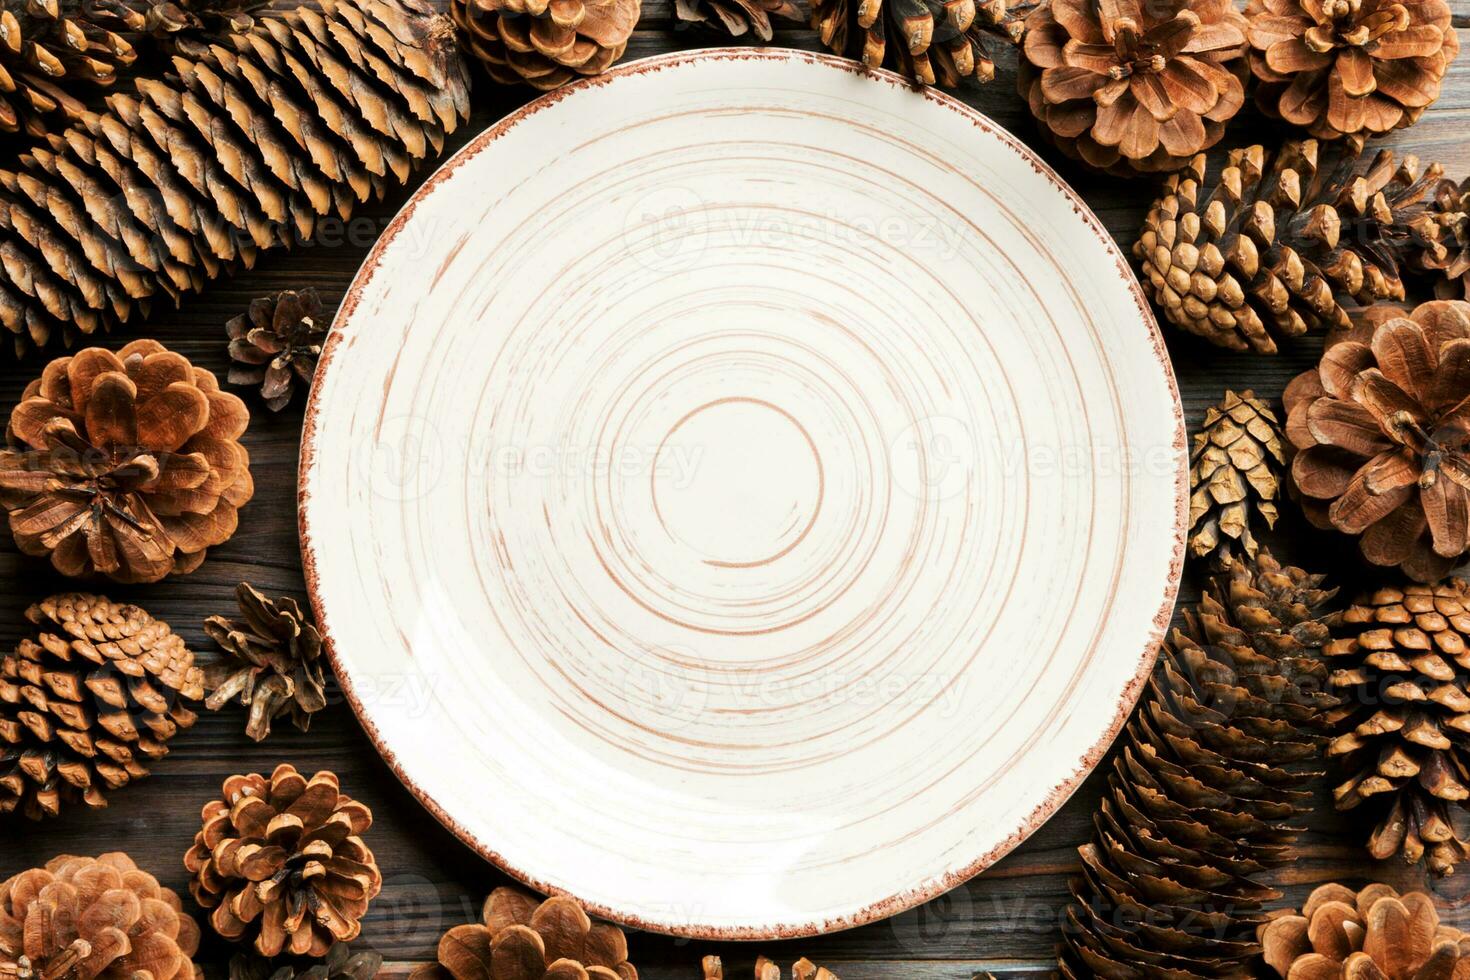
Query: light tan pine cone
point(1370, 934)
point(545, 43)
point(88, 702)
point(802, 969)
point(521, 937)
point(80, 917)
point(1238, 454)
point(126, 465)
point(272, 665)
point(282, 864)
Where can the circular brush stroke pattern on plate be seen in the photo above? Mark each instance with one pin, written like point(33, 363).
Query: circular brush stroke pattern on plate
point(743, 493)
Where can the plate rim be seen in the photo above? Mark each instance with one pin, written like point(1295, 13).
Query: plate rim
point(916, 895)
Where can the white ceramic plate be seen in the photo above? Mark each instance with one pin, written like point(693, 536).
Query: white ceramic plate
point(743, 493)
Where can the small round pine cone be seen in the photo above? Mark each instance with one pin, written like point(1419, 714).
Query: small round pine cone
point(1134, 87)
point(96, 694)
point(340, 964)
point(545, 44)
point(83, 917)
point(127, 465)
point(1372, 933)
point(802, 969)
point(928, 43)
point(277, 342)
point(272, 664)
point(521, 937)
point(282, 863)
point(1346, 67)
point(737, 18)
point(1379, 430)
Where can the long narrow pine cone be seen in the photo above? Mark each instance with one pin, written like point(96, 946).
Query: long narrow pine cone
point(929, 42)
point(521, 937)
point(1402, 665)
point(1234, 475)
point(545, 43)
point(1134, 86)
point(246, 145)
point(1349, 67)
point(127, 465)
point(1281, 242)
point(80, 917)
point(1201, 794)
point(51, 51)
point(1379, 433)
point(87, 702)
point(282, 864)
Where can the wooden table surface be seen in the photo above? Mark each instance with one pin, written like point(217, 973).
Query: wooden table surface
point(1006, 920)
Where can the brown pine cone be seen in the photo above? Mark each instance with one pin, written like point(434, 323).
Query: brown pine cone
point(340, 964)
point(1233, 475)
point(1129, 86)
point(1203, 793)
point(1380, 438)
point(81, 917)
point(1368, 934)
point(521, 937)
point(127, 465)
point(542, 43)
point(737, 18)
point(273, 662)
point(1272, 252)
point(1402, 664)
point(96, 694)
point(1347, 67)
point(1449, 262)
point(282, 863)
point(929, 42)
point(802, 969)
point(276, 341)
point(48, 50)
point(245, 145)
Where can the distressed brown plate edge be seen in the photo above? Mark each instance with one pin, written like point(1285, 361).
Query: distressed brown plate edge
point(902, 901)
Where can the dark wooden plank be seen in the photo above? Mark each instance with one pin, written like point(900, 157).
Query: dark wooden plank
point(1007, 920)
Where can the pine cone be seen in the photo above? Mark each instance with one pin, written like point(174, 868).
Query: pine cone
point(273, 662)
point(244, 147)
point(1272, 253)
point(83, 917)
point(1402, 664)
point(1346, 67)
point(1129, 86)
point(278, 339)
point(1371, 933)
point(737, 18)
point(96, 694)
point(1448, 259)
point(1201, 793)
point(127, 465)
point(1237, 455)
point(341, 964)
point(545, 44)
point(282, 863)
point(935, 42)
point(802, 969)
point(1381, 443)
point(48, 50)
point(520, 937)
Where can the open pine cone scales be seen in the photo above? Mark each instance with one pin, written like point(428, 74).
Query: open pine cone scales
point(273, 662)
point(48, 49)
point(1374, 934)
point(929, 42)
point(282, 863)
point(1280, 242)
point(1130, 86)
point(276, 343)
point(545, 43)
point(127, 465)
point(1237, 455)
point(245, 146)
point(1380, 429)
point(1401, 661)
point(84, 705)
point(1347, 67)
point(521, 937)
point(82, 918)
point(1200, 796)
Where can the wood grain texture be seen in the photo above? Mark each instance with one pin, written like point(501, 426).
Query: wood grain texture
point(1007, 920)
